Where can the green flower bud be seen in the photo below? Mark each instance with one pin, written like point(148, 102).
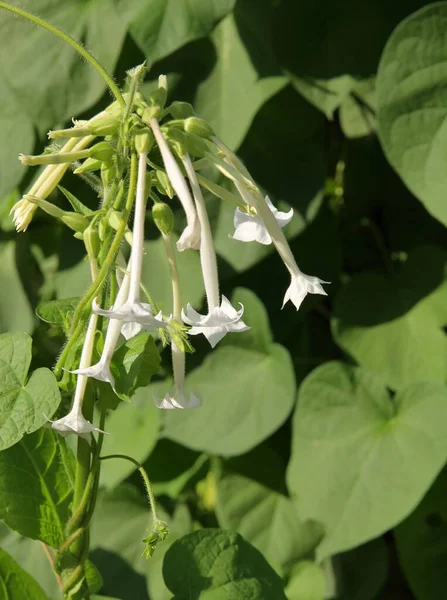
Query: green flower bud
point(150, 112)
point(199, 127)
point(144, 140)
point(195, 145)
point(177, 139)
point(181, 110)
point(90, 164)
point(163, 184)
point(107, 174)
point(92, 241)
point(163, 217)
point(158, 97)
point(75, 221)
point(102, 151)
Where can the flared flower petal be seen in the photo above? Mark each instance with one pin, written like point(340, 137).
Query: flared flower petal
point(101, 371)
point(217, 323)
point(300, 286)
point(75, 423)
point(190, 237)
point(251, 227)
point(135, 313)
point(171, 401)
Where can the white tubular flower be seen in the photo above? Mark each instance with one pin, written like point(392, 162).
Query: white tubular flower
point(222, 319)
point(75, 422)
point(249, 227)
point(217, 323)
point(176, 397)
point(133, 312)
point(300, 286)
point(23, 210)
point(190, 237)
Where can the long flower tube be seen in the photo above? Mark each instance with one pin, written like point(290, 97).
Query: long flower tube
point(176, 397)
point(190, 237)
point(134, 313)
point(222, 319)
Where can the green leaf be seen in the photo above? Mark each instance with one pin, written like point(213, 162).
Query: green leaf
point(326, 95)
point(362, 460)
point(133, 431)
point(307, 582)
point(235, 384)
point(37, 485)
point(24, 403)
point(232, 94)
point(17, 128)
point(422, 543)
point(57, 312)
point(76, 204)
point(357, 111)
point(392, 324)
point(30, 555)
point(6, 204)
point(216, 563)
point(15, 310)
point(411, 102)
point(36, 60)
point(136, 361)
point(165, 25)
point(261, 510)
point(15, 583)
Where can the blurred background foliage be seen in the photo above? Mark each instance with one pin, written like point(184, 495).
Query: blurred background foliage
point(332, 489)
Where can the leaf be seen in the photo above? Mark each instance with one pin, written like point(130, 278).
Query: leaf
point(15, 583)
point(326, 95)
point(357, 111)
point(392, 324)
point(15, 310)
point(165, 25)
point(235, 384)
point(30, 555)
point(133, 431)
point(422, 543)
point(17, 128)
point(6, 204)
point(76, 204)
point(233, 93)
point(57, 312)
point(217, 563)
point(362, 460)
point(411, 102)
point(308, 582)
point(36, 487)
point(136, 361)
point(24, 404)
point(261, 511)
point(36, 62)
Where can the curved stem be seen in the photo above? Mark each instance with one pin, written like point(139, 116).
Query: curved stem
point(74, 44)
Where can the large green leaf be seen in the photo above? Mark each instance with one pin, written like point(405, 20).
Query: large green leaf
point(307, 582)
point(392, 324)
point(247, 395)
point(37, 485)
point(262, 511)
point(215, 563)
point(411, 101)
point(362, 460)
point(133, 431)
point(422, 543)
point(15, 310)
point(232, 94)
point(162, 26)
point(24, 403)
point(15, 583)
point(17, 128)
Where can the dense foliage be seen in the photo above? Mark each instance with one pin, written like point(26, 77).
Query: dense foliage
point(314, 469)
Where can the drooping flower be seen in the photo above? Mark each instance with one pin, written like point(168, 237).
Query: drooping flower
point(136, 314)
point(222, 319)
point(249, 227)
point(190, 237)
point(75, 422)
point(300, 286)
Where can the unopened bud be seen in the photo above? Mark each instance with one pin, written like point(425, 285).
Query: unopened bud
point(181, 110)
point(177, 139)
point(90, 164)
point(102, 151)
point(163, 184)
point(144, 140)
point(163, 217)
point(150, 112)
point(92, 241)
point(199, 127)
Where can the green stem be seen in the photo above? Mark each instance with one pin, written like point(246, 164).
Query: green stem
point(144, 475)
point(74, 44)
point(77, 324)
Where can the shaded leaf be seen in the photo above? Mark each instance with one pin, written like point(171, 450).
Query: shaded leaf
point(15, 583)
point(15, 310)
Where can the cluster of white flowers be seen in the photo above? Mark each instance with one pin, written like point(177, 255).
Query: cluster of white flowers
point(256, 220)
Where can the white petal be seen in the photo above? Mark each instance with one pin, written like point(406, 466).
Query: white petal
point(250, 228)
point(300, 286)
point(192, 317)
point(214, 334)
point(74, 423)
point(100, 371)
point(190, 238)
point(169, 402)
point(131, 329)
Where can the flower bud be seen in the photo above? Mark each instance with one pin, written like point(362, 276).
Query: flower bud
point(181, 110)
point(92, 241)
point(107, 174)
point(75, 221)
point(90, 164)
point(144, 140)
point(102, 151)
point(163, 217)
point(150, 112)
point(199, 127)
point(177, 140)
point(163, 184)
